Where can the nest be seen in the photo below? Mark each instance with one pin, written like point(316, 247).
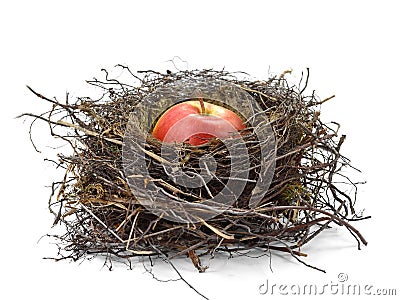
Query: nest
point(124, 193)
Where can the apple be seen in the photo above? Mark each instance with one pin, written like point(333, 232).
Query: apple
point(195, 122)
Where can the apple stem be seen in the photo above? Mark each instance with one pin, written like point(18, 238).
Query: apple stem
point(203, 108)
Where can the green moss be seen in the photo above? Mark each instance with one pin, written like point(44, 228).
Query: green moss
point(292, 190)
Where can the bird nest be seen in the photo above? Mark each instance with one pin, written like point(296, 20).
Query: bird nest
point(126, 194)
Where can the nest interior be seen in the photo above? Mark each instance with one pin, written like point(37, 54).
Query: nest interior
point(101, 214)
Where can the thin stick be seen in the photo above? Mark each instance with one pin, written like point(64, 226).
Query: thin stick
point(319, 210)
point(101, 222)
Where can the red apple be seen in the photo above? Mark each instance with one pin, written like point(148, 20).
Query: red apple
point(196, 122)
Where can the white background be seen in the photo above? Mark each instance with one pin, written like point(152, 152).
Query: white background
point(352, 50)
